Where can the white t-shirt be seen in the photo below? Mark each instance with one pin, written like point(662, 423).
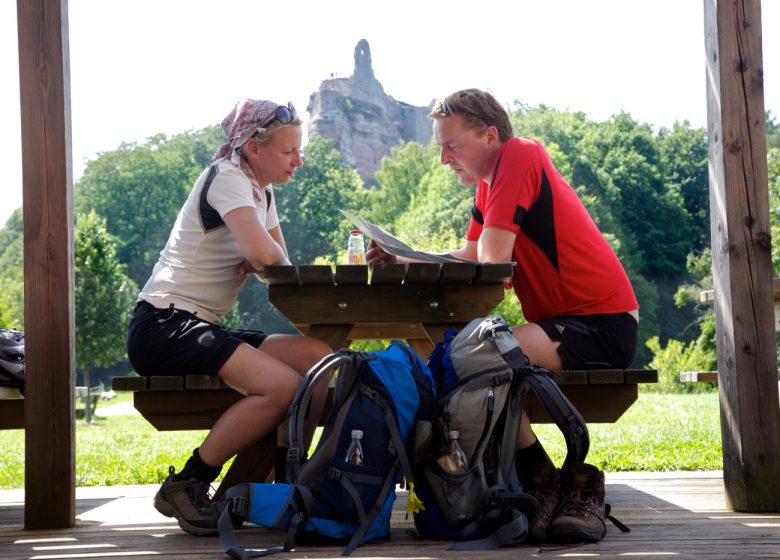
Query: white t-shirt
point(198, 269)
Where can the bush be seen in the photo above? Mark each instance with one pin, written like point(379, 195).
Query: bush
point(675, 358)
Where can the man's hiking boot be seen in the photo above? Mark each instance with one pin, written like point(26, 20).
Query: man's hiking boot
point(188, 501)
point(582, 515)
point(543, 482)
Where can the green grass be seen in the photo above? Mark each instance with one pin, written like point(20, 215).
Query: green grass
point(659, 432)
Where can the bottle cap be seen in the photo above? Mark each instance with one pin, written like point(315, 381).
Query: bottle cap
point(357, 434)
point(453, 434)
point(356, 232)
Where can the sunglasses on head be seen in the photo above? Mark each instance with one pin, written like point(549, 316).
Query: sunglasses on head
point(285, 114)
point(445, 108)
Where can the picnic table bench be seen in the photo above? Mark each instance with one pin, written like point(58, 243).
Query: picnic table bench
point(12, 405)
point(195, 402)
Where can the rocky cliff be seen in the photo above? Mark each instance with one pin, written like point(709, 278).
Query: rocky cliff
point(361, 119)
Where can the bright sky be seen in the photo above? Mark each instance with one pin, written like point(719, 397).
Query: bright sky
point(149, 66)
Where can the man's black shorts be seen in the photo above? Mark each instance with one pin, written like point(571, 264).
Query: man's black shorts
point(176, 342)
point(594, 341)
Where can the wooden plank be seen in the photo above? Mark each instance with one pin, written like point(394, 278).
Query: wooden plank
point(351, 274)
point(47, 177)
point(384, 273)
point(284, 275)
point(334, 336)
point(596, 403)
point(493, 273)
point(316, 275)
point(387, 332)
point(166, 383)
point(130, 383)
point(640, 376)
point(741, 243)
point(570, 377)
point(204, 382)
point(388, 304)
point(699, 377)
point(605, 376)
point(11, 414)
point(184, 410)
point(422, 273)
point(458, 273)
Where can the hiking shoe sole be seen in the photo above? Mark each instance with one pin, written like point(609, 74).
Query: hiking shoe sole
point(563, 531)
point(165, 508)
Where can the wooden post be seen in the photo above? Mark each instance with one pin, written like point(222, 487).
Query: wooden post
point(741, 243)
point(44, 79)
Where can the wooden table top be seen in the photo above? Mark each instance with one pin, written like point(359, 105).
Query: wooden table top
point(414, 301)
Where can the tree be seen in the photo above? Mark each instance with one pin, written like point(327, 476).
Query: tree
point(104, 298)
point(12, 272)
point(139, 190)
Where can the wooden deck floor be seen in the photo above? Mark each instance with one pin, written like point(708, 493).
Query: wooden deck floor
point(678, 515)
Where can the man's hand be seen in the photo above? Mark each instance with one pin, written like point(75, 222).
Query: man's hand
point(376, 255)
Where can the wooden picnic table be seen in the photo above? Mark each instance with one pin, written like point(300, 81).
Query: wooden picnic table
point(416, 302)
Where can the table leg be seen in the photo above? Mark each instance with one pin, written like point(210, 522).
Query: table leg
point(253, 464)
point(334, 335)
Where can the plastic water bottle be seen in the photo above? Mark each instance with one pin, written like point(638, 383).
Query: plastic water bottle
point(454, 461)
point(356, 249)
point(355, 451)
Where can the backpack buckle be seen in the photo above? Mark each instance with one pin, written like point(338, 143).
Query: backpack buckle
point(294, 454)
point(334, 473)
point(239, 505)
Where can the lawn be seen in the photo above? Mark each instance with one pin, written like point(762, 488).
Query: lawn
point(660, 432)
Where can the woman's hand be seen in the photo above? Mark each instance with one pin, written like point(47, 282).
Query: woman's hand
point(376, 255)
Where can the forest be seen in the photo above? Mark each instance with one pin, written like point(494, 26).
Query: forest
point(647, 191)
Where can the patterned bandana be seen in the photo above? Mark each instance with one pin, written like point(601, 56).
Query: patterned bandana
point(244, 121)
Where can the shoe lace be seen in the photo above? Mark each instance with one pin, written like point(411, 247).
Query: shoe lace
point(201, 493)
point(577, 502)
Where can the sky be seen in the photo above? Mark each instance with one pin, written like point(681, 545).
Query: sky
point(166, 66)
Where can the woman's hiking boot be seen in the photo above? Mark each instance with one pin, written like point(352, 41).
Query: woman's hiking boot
point(582, 515)
point(189, 502)
point(543, 482)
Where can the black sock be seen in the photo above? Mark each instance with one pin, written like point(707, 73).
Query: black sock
point(531, 455)
point(280, 468)
point(196, 468)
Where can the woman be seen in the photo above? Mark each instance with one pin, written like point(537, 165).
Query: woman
point(228, 228)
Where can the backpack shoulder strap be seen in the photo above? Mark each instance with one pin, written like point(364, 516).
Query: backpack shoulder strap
point(560, 409)
point(299, 409)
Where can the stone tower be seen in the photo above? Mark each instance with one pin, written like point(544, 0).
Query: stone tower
point(363, 122)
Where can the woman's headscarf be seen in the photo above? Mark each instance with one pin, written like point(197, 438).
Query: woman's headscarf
point(244, 121)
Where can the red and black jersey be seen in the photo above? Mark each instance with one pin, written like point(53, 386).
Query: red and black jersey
point(564, 264)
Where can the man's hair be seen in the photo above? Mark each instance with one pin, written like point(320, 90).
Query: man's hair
point(479, 110)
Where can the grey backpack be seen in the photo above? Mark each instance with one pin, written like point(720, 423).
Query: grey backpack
point(482, 378)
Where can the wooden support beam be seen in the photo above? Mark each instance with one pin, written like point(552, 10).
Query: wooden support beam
point(742, 270)
point(44, 81)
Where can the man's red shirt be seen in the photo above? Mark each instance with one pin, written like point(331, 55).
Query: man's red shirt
point(564, 264)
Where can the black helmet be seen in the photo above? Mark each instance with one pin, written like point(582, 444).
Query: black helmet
point(12, 359)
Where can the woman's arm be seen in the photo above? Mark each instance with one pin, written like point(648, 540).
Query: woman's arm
point(259, 247)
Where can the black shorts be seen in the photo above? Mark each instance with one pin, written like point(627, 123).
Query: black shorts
point(606, 341)
point(176, 342)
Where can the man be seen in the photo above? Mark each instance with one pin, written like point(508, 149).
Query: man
point(579, 303)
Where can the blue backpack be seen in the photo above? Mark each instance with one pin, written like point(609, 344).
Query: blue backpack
point(482, 378)
point(381, 393)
